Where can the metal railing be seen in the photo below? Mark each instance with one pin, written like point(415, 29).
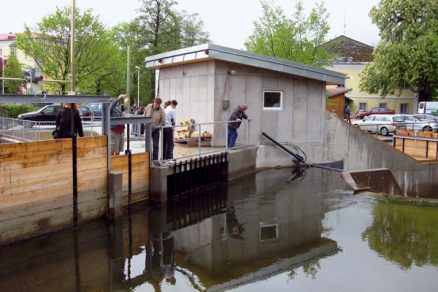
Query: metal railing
point(428, 141)
point(25, 130)
point(219, 129)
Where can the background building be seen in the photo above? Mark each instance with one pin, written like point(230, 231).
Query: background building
point(352, 57)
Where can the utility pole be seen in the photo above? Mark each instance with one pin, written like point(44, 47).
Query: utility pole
point(3, 74)
point(72, 46)
point(128, 74)
point(138, 85)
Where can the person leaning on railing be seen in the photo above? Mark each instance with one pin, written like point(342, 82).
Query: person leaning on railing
point(117, 131)
point(158, 117)
point(235, 120)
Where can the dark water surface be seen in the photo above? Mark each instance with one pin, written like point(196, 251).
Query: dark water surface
point(261, 233)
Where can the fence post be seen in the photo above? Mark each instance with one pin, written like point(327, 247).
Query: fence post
point(199, 140)
point(160, 145)
point(226, 136)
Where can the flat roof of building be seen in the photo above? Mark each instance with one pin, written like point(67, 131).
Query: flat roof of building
point(208, 52)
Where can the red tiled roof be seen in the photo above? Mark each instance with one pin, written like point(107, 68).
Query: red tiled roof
point(7, 36)
point(337, 90)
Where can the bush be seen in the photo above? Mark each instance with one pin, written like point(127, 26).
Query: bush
point(13, 110)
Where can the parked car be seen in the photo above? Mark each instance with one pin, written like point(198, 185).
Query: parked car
point(426, 117)
point(97, 110)
point(409, 122)
point(87, 113)
point(382, 124)
point(48, 113)
point(375, 111)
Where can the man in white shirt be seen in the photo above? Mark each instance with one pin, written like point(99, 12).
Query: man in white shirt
point(168, 131)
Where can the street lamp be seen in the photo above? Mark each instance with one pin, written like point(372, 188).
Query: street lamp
point(138, 85)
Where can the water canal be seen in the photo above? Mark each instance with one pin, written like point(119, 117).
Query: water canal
point(264, 232)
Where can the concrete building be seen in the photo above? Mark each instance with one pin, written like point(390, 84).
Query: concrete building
point(352, 58)
point(285, 99)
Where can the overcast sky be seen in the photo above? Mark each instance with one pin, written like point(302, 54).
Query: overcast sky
point(228, 21)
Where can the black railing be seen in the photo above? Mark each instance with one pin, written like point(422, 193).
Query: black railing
point(194, 174)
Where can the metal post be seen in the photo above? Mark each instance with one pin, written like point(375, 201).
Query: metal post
point(106, 131)
point(226, 136)
point(199, 140)
point(128, 75)
point(147, 137)
point(72, 45)
point(160, 145)
point(3, 74)
point(138, 85)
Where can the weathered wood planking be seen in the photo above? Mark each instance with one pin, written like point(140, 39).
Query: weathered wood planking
point(140, 175)
point(36, 185)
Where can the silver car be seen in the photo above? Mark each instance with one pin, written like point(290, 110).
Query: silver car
point(410, 122)
point(382, 124)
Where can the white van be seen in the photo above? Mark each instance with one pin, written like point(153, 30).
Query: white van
point(427, 107)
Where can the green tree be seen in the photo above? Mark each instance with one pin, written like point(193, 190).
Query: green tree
point(298, 38)
point(12, 69)
point(98, 59)
point(158, 28)
point(407, 54)
point(405, 234)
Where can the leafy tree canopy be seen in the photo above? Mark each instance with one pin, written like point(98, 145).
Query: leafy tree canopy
point(158, 27)
point(407, 54)
point(298, 38)
point(12, 69)
point(98, 60)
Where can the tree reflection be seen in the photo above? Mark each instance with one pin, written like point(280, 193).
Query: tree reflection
point(404, 234)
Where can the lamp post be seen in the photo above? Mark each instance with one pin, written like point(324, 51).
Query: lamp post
point(138, 85)
point(3, 74)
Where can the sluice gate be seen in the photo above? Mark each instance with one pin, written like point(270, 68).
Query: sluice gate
point(194, 174)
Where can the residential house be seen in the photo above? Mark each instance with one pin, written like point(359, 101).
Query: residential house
point(8, 45)
point(352, 58)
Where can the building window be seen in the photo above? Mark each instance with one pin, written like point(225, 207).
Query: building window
point(404, 108)
point(362, 106)
point(383, 104)
point(272, 100)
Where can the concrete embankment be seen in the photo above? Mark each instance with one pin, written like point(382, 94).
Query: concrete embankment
point(361, 151)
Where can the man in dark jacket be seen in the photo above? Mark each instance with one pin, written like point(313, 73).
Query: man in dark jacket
point(235, 120)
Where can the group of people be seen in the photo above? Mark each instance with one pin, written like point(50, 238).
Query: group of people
point(161, 117)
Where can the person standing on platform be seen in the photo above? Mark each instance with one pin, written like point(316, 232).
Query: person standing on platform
point(64, 122)
point(156, 113)
point(168, 131)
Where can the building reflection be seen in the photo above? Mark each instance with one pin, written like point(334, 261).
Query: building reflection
point(228, 236)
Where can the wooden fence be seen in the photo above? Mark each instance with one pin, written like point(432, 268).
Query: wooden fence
point(421, 146)
point(36, 184)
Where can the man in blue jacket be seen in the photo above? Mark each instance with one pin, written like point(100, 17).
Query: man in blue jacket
point(234, 123)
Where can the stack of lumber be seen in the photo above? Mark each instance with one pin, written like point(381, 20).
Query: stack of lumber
point(189, 131)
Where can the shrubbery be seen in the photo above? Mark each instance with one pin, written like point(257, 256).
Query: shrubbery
point(13, 110)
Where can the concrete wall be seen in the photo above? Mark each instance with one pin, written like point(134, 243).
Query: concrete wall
point(192, 85)
point(200, 89)
point(360, 150)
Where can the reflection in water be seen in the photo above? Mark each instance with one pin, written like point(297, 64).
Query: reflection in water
point(404, 234)
point(248, 231)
